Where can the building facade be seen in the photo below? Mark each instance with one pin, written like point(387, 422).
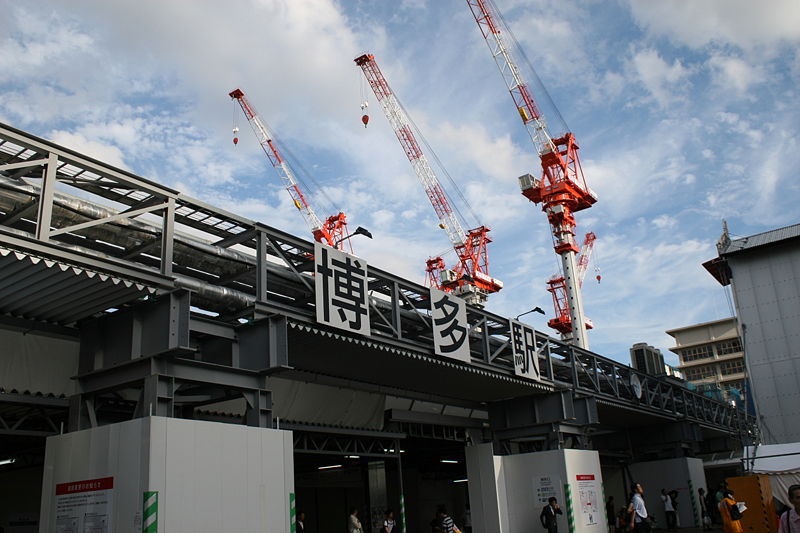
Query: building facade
point(647, 359)
point(711, 356)
point(764, 273)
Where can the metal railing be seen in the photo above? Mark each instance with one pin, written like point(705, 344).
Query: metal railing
point(61, 204)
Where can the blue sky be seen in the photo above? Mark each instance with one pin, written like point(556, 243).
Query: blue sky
point(686, 113)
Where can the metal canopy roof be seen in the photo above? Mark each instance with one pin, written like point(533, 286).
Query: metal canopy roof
point(365, 360)
point(762, 239)
point(52, 291)
point(94, 228)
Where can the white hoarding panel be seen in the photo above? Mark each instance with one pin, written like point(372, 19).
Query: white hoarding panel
point(450, 327)
point(340, 281)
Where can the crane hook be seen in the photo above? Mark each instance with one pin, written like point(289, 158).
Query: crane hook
point(364, 117)
point(235, 136)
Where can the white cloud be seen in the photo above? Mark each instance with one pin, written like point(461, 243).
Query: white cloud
point(734, 73)
point(665, 221)
point(42, 44)
point(665, 82)
point(100, 151)
point(741, 23)
point(682, 148)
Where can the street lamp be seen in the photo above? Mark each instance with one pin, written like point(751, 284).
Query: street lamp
point(536, 309)
point(359, 231)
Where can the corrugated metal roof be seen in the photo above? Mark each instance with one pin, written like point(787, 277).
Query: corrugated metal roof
point(42, 289)
point(761, 239)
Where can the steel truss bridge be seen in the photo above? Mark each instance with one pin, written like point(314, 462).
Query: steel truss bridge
point(179, 305)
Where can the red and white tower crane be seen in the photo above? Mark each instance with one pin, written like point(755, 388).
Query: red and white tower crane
point(334, 230)
point(562, 188)
point(470, 279)
point(557, 286)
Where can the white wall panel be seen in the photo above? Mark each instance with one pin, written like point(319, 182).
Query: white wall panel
point(210, 476)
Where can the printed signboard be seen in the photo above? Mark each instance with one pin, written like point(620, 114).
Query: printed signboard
point(523, 344)
point(450, 327)
point(341, 289)
point(85, 506)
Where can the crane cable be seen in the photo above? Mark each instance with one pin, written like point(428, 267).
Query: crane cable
point(542, 89)
point(306, 180)
point(445, 172)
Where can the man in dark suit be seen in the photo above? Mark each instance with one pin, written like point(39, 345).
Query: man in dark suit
point(548, 516)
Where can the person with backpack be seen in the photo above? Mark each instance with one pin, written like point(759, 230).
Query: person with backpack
point(790, 520)
point(731, 517)
point(388, 522)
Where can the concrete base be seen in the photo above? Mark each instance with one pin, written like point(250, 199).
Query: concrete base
point(507, 493)
point(179, 475)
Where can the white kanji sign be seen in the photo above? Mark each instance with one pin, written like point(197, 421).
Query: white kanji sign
point(450, 327)
point(341, 289)
point(523, 345)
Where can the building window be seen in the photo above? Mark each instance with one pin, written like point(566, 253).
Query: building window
point(738, 385)
point(732, 367)
point(698, 352)
point(700, 372)
point(731, 346)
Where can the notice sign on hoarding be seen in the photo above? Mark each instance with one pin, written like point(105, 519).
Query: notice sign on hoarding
point(85, 506)
point(587, 496)
point(545, 487)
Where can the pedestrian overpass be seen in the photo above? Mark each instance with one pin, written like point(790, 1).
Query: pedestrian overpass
point(174, 308)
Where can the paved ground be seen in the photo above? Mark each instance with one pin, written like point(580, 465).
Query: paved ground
point(688, 530)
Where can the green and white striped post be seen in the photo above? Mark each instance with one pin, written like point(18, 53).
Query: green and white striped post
point(150, 511)
point(570, 511)
point(697, 520)
point(292, 513)
point(403, 513)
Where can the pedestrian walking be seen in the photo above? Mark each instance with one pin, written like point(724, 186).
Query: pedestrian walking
point(790, 519)
point(610, 515)
point(549, 515)
point(705, 517)
point(712, 504)
point(731, 517)
point(669, 509)
point(388, 521)
point(673, 496)
point(639, 519)
point(444, 522)
point(353, 523)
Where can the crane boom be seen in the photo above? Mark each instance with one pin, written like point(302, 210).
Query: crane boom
point(400, 123)
point(562, 188)
point(586, 255)
point(470, 246)
point(523, 99)
point(332, 230)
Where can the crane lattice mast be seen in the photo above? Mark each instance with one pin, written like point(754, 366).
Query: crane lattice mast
point(557, 286)
point(562, 188)
point(333, 231)
point(472, 280)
